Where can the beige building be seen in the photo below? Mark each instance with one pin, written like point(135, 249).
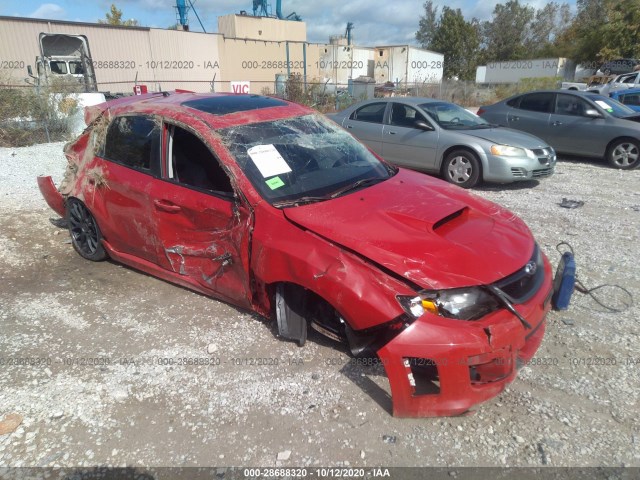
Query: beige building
point(249, 53)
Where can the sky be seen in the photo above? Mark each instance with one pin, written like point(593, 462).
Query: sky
point(376, 23)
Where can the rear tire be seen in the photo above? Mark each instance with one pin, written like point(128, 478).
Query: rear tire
point(86, 237)
point(624, 154)
point(461, 168)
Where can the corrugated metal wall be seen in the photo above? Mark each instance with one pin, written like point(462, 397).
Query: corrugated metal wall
point(169, 59)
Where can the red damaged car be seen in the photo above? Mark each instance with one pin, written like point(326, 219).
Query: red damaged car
point(272, 207)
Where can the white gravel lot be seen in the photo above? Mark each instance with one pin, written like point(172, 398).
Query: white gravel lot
point(578, 408)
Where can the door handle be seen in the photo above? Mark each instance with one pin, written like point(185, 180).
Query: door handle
point(514, 119)
point(167, 206)
point(556, 123)
point(392, 133)
point(349, 126)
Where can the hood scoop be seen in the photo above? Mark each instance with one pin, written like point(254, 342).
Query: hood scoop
point(449, 218)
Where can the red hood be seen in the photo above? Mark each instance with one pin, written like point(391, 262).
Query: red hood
point(423, 229)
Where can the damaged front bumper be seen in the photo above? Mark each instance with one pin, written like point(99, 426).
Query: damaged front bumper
point(442, 367)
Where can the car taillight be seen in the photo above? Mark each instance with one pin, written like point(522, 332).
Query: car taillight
point(481, 110)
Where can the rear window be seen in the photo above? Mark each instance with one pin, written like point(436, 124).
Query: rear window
point(537, 102)
point(226, 104)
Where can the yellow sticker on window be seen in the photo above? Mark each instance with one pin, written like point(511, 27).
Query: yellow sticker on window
point(274, 183)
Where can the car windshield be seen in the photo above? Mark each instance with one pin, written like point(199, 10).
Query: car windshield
point(612, 106)
point(302, 160)
point(453, 117)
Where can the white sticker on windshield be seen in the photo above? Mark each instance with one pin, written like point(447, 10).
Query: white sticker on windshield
point(604, 105)
point(268, 160)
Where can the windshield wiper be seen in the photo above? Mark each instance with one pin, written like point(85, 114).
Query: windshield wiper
point(355, 185)
point(300, 201)
point(486, 125)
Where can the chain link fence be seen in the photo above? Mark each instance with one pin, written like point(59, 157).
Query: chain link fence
point(30, 114)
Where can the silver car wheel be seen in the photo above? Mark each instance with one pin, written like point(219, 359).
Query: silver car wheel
point(460, 169)
point(625, 154)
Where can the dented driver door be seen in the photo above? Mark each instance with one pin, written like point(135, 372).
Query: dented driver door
point(203, 237)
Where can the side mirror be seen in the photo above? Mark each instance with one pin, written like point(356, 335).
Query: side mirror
point(592, 113)
point(422, 125)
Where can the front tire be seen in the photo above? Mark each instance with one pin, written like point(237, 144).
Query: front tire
point(624, 154)
point(461, 168)
point(86, 237)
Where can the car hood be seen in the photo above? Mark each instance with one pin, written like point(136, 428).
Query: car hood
point(507, 136)
point(422, 229)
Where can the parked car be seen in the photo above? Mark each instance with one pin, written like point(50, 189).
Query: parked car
point(621, 82)
point(577, 123)
point(630, 98)
point(270, 206)
point(616, 67)
point(445, 139)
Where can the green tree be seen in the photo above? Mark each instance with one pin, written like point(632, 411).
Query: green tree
point(459, 41)
point(506, 33)
point(546, 28)
point(114, 17)
point(603, 30)
point(427, 25)
point(621, 33)
point(582, 41)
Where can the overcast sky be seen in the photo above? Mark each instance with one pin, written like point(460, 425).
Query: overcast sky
point(376, 23)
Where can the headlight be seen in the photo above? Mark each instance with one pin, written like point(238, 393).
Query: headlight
point(460, 303)
point(508, 151)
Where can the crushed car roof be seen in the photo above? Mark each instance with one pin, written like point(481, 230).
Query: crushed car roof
point(219, 110)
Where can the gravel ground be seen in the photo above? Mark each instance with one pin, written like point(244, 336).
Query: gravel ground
point(579, 407)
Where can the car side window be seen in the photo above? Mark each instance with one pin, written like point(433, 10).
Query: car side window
point(133, 141)
point(405, 116)
point(537, 102)
point(191, 163)
point(372, 113)
point(570, 105)
point(514, 102)
point(631, 99)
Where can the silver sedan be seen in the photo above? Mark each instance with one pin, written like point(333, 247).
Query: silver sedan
point(445, 139)
point(577, 123)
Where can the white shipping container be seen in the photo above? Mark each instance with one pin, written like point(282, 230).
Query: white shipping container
point(515, 70)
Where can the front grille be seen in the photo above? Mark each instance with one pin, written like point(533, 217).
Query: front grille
point(518, 172)
point(522, 285)
point(544, 155)
point(543, 172)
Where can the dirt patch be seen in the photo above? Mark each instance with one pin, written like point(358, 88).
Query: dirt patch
point(108, 366)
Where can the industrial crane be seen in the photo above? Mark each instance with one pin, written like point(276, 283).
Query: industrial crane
point(347, 32)
point(261, 9)
point(182, 13)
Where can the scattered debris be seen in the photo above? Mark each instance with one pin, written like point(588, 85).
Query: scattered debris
point(362, 454)
point(283, 456)
point(212, 348)
point(390, 439)
point(568, 321)
point(566, 203)
point(543, 454)
point(10, 423)
point(315, 376)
